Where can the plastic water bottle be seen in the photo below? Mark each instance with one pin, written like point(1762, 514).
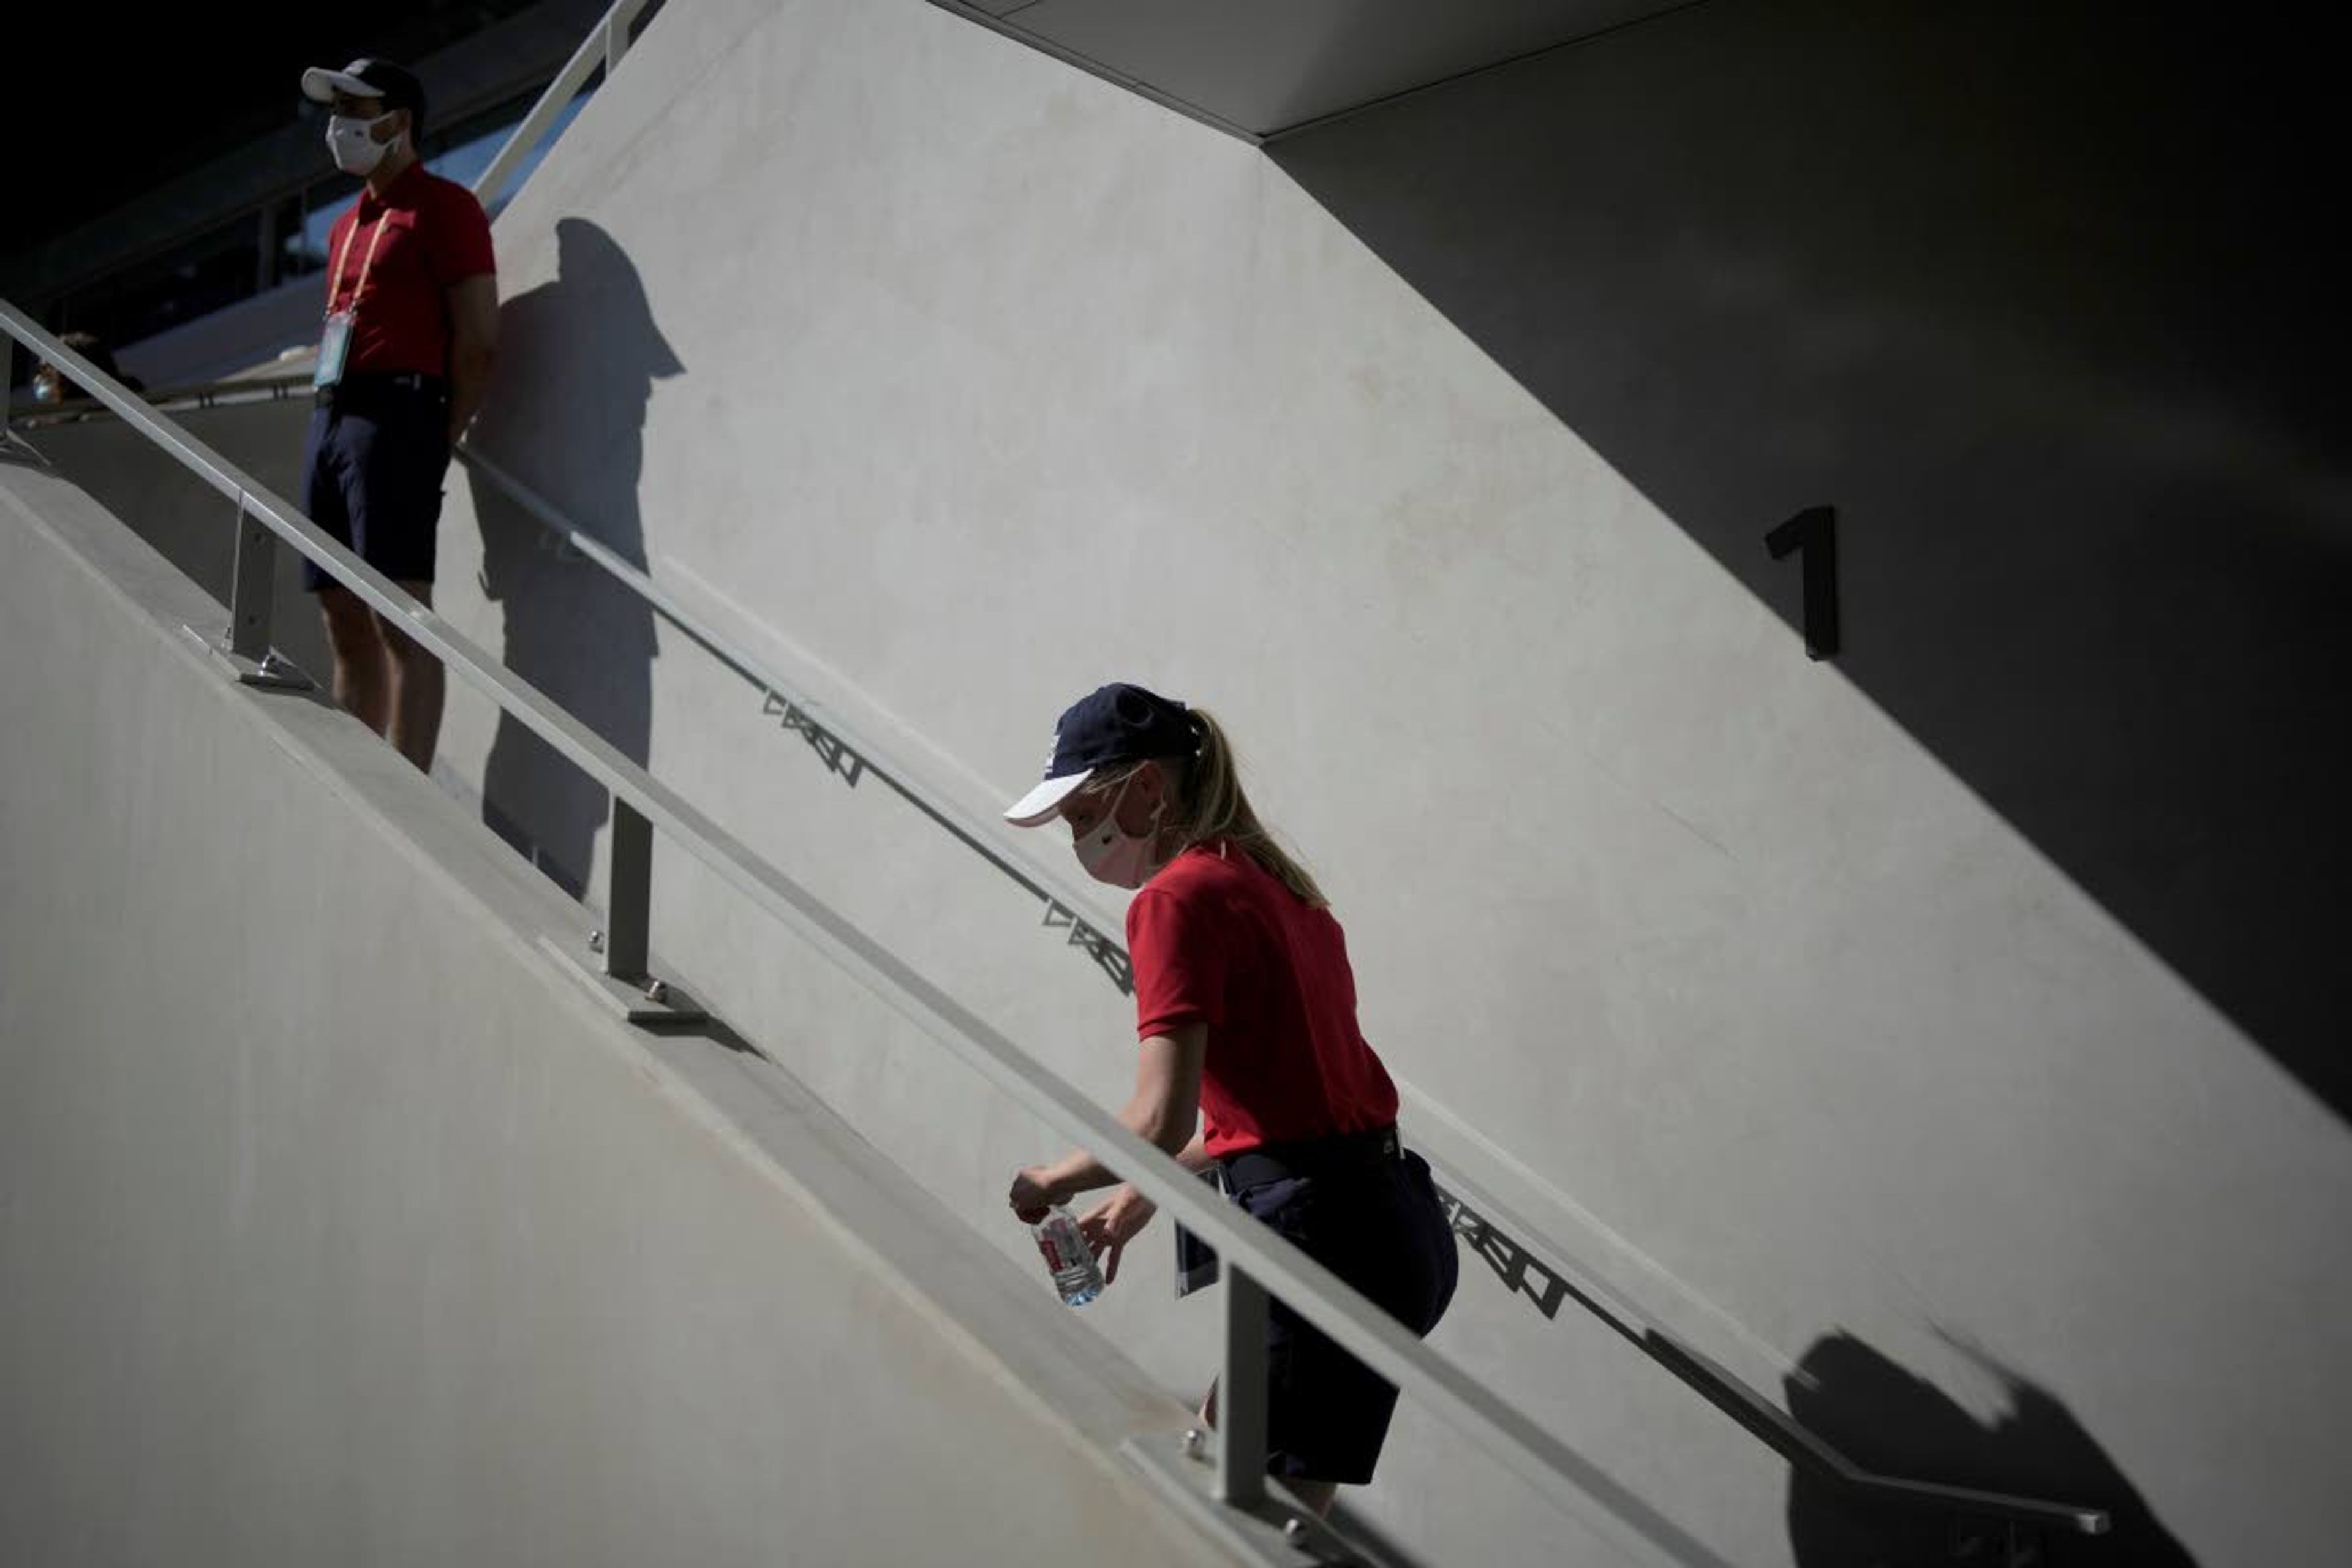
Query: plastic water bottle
point(1068, 1259)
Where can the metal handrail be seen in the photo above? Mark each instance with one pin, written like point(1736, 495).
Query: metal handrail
point(605, 45)
point(1751, 1409)
point(607, 42)
point(1772, 1426)
point(1062, 901)
point(1558, 1471)
point(1257, 1260)
point(201, 394)
point(1717, 1386)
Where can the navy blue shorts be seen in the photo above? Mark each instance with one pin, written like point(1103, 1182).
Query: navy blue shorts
point(1378, 1225)
point(372, 472)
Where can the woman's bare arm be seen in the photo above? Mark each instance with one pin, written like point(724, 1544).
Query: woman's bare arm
point(1164, 1109)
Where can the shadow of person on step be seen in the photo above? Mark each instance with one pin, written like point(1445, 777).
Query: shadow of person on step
point(1896, 1423)
point(577, 361)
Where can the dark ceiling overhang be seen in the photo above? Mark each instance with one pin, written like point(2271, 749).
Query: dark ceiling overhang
point(1260, 67)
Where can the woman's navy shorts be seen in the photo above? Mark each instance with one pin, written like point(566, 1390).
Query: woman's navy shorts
point(1377, 1224)
point(372, 472)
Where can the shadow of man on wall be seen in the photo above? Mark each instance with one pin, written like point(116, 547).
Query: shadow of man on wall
point(578, 358)
point(1892, 1421)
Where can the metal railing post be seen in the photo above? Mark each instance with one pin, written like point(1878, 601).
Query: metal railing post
point(1253, 1256)
point(246, 652)
point(1241, 1393)
point(629, 889)
point(253, 582)
point(626, 982)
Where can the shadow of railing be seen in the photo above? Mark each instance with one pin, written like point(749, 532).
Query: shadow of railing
point(1857, 1429)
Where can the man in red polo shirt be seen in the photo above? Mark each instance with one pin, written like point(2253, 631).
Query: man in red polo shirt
point(410, 331)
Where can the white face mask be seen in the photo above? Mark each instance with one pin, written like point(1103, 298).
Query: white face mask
point(1112, 854)
point(352, 143)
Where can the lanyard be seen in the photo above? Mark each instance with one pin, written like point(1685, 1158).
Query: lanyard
point(367, 263)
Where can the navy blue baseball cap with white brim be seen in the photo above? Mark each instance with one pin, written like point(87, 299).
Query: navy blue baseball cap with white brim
point(1110, 725)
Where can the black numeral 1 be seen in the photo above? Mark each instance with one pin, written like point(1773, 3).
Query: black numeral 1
point(1814, 531)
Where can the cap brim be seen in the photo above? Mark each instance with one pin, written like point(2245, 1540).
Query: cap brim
point(320, 85)
point(1044, 803)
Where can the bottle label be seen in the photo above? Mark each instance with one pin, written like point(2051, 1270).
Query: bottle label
point(1068, 1259)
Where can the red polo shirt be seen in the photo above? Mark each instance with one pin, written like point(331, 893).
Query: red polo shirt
point(1217, 938)
point(432, 237)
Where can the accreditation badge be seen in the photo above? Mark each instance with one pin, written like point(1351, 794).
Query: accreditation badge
point(335, 348)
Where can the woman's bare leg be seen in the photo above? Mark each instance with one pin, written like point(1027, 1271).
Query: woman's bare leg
point(1316, 1494)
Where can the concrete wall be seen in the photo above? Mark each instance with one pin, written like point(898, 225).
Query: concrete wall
point(956, 382)
point(337, 1227)
point(1938, 1035)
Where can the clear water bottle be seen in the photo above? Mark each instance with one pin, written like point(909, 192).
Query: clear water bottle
point(1068, 1259)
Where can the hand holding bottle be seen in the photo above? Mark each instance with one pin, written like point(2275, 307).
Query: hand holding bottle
point(1111, 1224)
point(1034, 1190)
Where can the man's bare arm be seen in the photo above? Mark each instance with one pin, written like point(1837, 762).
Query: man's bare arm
point(473, 346)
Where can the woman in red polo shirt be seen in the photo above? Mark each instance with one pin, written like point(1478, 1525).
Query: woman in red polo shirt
point(1246, 1010)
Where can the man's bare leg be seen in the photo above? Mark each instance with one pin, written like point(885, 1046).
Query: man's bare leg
point(418, 687)
point(362, 682)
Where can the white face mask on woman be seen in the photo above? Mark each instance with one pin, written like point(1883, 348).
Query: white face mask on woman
point(1111, 854)
point(352, 143)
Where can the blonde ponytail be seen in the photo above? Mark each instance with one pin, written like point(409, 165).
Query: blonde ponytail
point(1213, 806)
point(1207, 804)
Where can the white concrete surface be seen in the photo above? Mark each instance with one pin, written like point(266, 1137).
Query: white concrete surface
point(337, 1227)
point(968, 382)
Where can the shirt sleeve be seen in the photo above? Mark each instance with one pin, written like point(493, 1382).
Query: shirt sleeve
point(458, 244)
point(1180, 963)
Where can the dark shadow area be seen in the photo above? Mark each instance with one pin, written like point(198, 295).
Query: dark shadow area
point(577, 361)
point(2038, 298)
point(1849, 1409)
point(15, 452)
point(1886, 1419)
point(715, 1030)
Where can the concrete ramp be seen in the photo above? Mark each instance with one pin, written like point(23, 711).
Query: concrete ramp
point(337, 1227)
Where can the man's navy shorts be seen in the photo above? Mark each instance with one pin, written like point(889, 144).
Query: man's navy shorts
point(372, 472)
point(1375, 1222)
